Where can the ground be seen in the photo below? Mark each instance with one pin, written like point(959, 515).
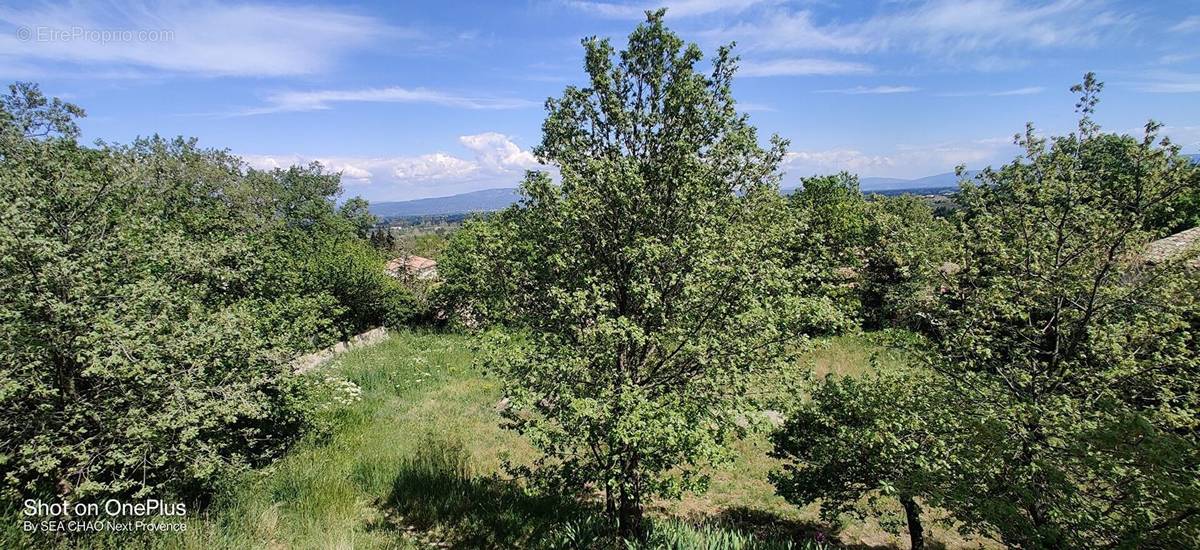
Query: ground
point(418, 460)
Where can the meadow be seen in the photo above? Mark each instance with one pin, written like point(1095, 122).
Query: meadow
point(417, 461)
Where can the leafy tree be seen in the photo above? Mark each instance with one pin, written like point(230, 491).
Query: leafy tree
point(352, 273)
point(838, 215)
point(651, 282)
point(428, 245)
point(829, 238)
point(877, 256)
point(479, 270)
point(887, 433)
point(906, 249)
point(358, 215)
point(115, 346)
point(147, 312)
point(1084, 356)
point(26, 113)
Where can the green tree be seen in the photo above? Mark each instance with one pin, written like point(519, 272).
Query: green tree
point(651, 282)
point(830, 236)
point(150, 303)
point(127, 364)
point(357, 214)
point(884, 434)
point(1085, 356)
point(479, 268)
point(26, 113)
point(837, 212)
point(905, 251)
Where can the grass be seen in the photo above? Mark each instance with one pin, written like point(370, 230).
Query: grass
point(417, 463)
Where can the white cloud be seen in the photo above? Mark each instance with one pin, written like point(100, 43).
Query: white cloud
point(497, 152)
point(872, 90)
point(675, 8)
point(1189, 24)
point(199, 37)
point(974, 25)
point(945, 29)
point(494, 160)
point(801, 67)
point(780, 30)
point(903, 161)
point(436, 166)
point(1169, 82)
point(324, 99)
point(351, 170)
point(804, 163)
point(1027, 90)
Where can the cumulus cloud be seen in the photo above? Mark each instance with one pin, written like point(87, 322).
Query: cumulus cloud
point(492, 160)
point(436, 166)
point(497, 152)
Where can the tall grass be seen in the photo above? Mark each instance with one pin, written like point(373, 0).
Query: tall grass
point(416, 462)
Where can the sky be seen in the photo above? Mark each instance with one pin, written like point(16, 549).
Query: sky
point(423, 99)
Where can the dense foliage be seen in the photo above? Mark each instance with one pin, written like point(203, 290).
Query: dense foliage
point(154, 294)
point(151, 298)
point(648, 284)
point(887, 434)
point(1059, 406)
point(1084, 356)
point(878, 256)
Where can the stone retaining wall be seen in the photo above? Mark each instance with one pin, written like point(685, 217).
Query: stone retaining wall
point(305, 363)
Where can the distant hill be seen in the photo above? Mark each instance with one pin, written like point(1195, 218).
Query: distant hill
point(487, 200)
point(490, 200)
point(938, 181)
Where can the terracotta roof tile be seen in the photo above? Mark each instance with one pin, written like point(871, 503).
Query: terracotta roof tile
point(1166, 248)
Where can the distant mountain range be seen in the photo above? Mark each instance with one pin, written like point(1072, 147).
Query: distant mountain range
point(948, 179)
point(489, 200)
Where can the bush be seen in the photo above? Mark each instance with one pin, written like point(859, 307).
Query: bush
point(151, 299)
point(905, 252)
point(351, 272)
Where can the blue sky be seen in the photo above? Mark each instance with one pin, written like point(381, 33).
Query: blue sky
point(420, 99)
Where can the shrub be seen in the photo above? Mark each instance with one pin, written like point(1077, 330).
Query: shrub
point(150, 305)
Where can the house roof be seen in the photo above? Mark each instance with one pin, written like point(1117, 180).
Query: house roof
point(1164, 249)
point(411, 264)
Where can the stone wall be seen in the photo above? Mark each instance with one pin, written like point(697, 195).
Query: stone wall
point(313, 360)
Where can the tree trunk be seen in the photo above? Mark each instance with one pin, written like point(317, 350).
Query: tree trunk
point(630, 519)
point(630, 513)
point(912, 512)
